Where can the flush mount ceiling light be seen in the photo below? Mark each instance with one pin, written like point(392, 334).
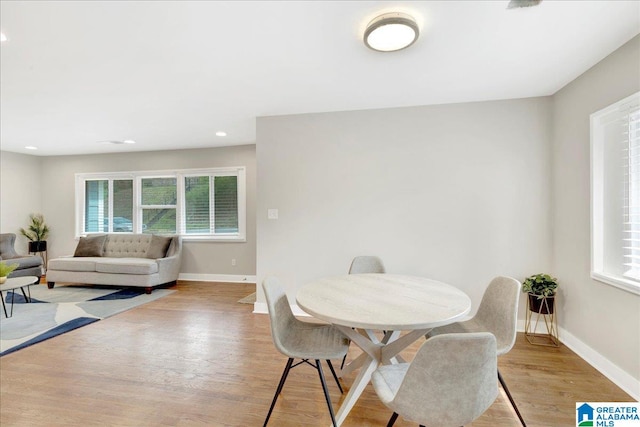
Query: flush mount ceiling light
point(515, 4)
point(221, 133)
point(126, 141)
point(391, 31)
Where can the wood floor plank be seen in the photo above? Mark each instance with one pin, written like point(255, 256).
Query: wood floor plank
point(199, 358)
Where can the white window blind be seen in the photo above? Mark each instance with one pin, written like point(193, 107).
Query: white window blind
point(211, 203)
point(197, 218)
point(226, 204)
point(615, 194)
point(631, 164)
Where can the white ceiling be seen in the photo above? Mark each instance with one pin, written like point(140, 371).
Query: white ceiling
point(170, 74)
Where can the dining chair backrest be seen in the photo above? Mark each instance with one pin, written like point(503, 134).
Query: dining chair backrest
point(283, 322)
point(451, 381)
point(498, 311)
point(366, 264)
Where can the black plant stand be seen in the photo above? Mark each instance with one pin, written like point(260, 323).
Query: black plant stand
point(39, 248)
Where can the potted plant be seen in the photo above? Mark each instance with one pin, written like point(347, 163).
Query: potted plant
point(5, 270)
point(542, 290)
point(36, 233)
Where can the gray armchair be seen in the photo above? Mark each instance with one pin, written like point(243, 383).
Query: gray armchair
point(28, 265)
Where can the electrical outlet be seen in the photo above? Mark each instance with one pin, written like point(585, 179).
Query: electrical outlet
point(233, 261)
point(272, 213)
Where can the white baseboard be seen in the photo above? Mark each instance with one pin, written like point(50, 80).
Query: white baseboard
point(261, 308)
point(233, 278)
point(610, 370)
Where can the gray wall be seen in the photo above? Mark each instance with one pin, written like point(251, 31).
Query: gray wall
point(58, 201)
point(605, 318)
point(458, 193)
point(20, 193)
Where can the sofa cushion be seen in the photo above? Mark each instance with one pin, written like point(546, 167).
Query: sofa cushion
point(126, 266)
point(158, 247)
point(24, 261)
point(127, 245)
point(73, 264)
point(90, 246)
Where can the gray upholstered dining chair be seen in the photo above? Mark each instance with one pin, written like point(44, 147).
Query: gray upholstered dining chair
point(301, 340)
point(498, 314)
point(450, 382)
point(366, 264)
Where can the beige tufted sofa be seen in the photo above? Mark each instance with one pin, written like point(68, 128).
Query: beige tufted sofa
point(124, 262)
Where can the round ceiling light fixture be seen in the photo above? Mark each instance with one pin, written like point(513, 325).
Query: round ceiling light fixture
point(117, 142)
point(391, 31)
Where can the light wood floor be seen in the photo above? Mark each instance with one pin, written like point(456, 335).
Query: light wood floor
point(198, 357)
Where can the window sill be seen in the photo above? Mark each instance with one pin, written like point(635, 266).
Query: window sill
point(187, 238)
point(618, 282)
point(214, 239)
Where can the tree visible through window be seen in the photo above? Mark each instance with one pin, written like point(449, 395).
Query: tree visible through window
point(159, 198)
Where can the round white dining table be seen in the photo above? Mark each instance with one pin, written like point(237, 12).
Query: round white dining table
point(359, 304)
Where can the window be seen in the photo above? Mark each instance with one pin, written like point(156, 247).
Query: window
point(615, 194)
point(159, 204)
point(198, 204)
point(96, 205)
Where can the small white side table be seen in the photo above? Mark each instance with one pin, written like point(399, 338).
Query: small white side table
point(14, 283)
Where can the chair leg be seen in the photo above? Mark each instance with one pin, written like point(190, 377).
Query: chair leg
point(344, 359)
point(393, 419)
point(334, 375)
point(513, 403)
point(282, 380)
point(326, 393)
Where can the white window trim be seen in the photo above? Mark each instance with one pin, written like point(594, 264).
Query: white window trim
point(597, 203)
point(179, 174)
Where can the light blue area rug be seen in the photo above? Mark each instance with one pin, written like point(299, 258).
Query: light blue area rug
point(55, 311)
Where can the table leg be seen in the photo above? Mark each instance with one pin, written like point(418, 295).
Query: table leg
point(4, 307)
point(369, 362)
point(13, 294)
point(375, 352)
point(360, 360)
point(356, 389)
point(391, 350)
point(26, 298)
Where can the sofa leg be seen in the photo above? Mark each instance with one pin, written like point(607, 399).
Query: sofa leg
point(148, 290)
point(50, 285)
